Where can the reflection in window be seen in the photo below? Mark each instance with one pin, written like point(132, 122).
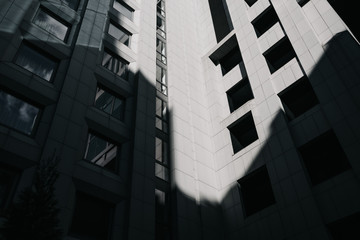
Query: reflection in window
point(119, 34)
point(36, 62)
point(161, 82)
point(160, 51)
point(114, 63)
point(160, 27)
point(123, 9)
point(161, 115)
point(17, 114)
point(51, 24)
point(8, 180)
point(115, 106)
point(72, 3)
point(101, 152)
point(161, 7)
point(161, 157)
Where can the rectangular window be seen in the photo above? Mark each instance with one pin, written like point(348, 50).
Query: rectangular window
point(250, 2)
point(160, 27)
point(256, 191)
point(8, 181)
point(161, 159)
point(162, 212)
point(265, 21)
point(221, 18)
point(101, 152)
point(345, 228)
point(324, 157)
point(243, 132)
point(114, 63)
point(124, 9)
point(279, 54)
point(160, 51)
point(18, 114)
point(239, 94)
point(36, 62)
point(161, 81)
point(94, 227)
point(298, 98)
point(72, 3)
point(52, 24)
point(105, 101)
point(161, 7)
point(119, 33)
point(302, 2)
point(161, 115)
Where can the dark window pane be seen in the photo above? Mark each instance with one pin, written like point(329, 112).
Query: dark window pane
point(51, 24)
point(160, 51)
point(36, 62)
point(123, 9)
point(161, 172)
point(239, 94)
point(115, 64)
point(8, 180)
point(96, 226)
point(101, 152)
point(250, 2)
point(324, 157)
point(256, 191)
point(161, 151)
point(115, 106)
point(161, 82)
point(17, 114)
point(230, 60)
point(160, 27)
point(346, 228)
point(161, 7)
point(265, 21)
point(119, 34)
point(72, 3)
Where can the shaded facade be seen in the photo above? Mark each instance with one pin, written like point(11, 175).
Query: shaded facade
point(228, 119)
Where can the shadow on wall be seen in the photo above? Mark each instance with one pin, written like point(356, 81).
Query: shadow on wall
point(294, 206)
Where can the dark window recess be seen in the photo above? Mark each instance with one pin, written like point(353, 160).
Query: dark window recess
point(278, 55)
point(348, 11)
point(250, 2)
point(8, 181)
point(302, 2)
point(239, 94)
point(96, 227)
point(265, 21)
point(162, 212)
point(72, 3)
point(256, 191)
point(243, 132)
point(298, 98)
point(346, 228)
point(324, 157)
point(230, 60)
point(221, 18)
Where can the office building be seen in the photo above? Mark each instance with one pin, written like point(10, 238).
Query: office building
point(192, 119)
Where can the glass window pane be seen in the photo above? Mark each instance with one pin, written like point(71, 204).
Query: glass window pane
point(104, 101)
point(51, 25)
point(124, 10)
point(119, 34)
point(160, 24)
point(161, 172)
point(17, 114)
point(115, 64)
point(119, 109)
point(72, 3)
point(36, 62)
point(161, 7)
point(161, 151)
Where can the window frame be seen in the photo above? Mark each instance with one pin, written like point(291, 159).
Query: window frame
point(127, 7)
point(160, 85)
point(114, 97)
point(163, 118)
point(120, 28)
point(115, 65)
point(161, 55)
point(159, 31)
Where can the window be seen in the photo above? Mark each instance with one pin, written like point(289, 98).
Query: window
point(239, 94)
point(119, 33)
point(302, 2)
point(124, 9)
point(324, 157)
point(115, 106)
point(346, 228)
point(162, 211)
point(36, 62)
point(250, 2)
point(265, 21)
point(52, 24)
point(92, 218)
point(161, 7)
point(298, 98)
point(161, 159)
point(72, 3)
point(114, 63)
point(220, 18)
point(243, 132)
point(101, 152)
point(160, 27)
point(18, 114)
point(230, 60)
point(278, 55)
point(161, 82)
point(161, 115)
point(160, 51)
point(256, 191)
point(8, 181)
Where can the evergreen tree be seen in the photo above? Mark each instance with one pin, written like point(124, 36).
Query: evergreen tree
point(35, 215)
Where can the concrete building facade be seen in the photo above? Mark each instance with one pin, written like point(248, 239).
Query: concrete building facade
point(206, 119)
